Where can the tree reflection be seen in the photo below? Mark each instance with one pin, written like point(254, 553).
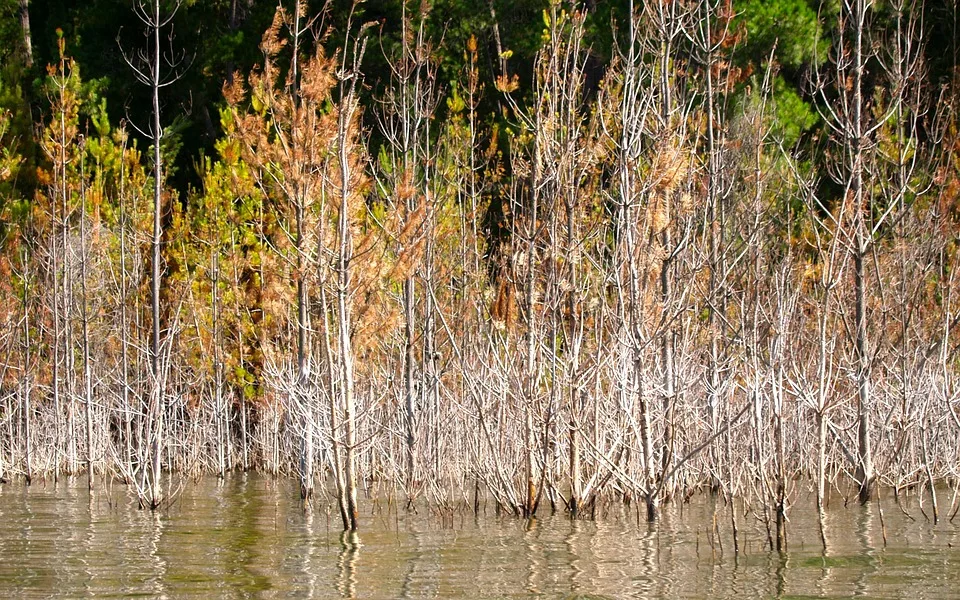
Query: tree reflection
point(347, 564)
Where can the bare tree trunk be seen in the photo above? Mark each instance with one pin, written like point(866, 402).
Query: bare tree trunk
point(303, 393)
point(232, 23)
point(925, 457)
point(335, 382)
point(409, 300)
point(432, 369)
point(848, 115)
point(27, 49)
point(431, 356)
point(59, 245)
point(345, 124)
point(865, 456)
point(781, 475)
point(652, 498)
point(666, 19)
point(865, 475)
point(669, 377)
point(219, 413)
point(573, 342)
point(241, 394)
point(346, 349)
point(85, 325)
point(124, 327)
point(821, 474)
point(244, 433)
point(157, 407)
point(25, 407)
point(66, 301)
point(530, 374)
point(822, 397)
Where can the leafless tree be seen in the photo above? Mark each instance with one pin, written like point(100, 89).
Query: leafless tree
point(156, 69)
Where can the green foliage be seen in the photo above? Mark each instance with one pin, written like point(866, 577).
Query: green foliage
point(10, 159)
point(791, 25)
point(10, 33)
point(216, 257)
point(17, 138)
point(792, 115)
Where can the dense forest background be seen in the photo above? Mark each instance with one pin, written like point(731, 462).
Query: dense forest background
point(529, 251)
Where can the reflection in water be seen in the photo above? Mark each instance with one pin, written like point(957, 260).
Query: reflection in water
point(249, 537)
point(307, 553)
point(781, 561)
point(423, 561)
point(91, 545)
point(645, 581)
point(572, 542)
point(823, 527)
point(244, 553)
point(347, 564)
point(159, 580)
point(865, 535)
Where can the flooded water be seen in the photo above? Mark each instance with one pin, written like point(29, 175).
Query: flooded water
point(249, 537)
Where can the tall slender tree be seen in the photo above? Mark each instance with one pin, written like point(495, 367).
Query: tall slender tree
point(156, 69)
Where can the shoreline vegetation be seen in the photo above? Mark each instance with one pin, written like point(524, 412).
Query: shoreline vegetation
point(579, 281)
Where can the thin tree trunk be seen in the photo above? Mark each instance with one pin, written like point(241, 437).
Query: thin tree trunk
point(821, 474)
point(344, 295)
point(85, 325)
point(865, 474)
point(925, 456)
point(530, 501)
point(27, 38)
point(25, 402)
point(346, 353)
point(219, 412)
point(334, 383)
point(652, 496)
point(156, 413)
point(303, 394)
point(781, 485)
point(409, 299)
point(67, 304)
point(58, 245)
point(124, 328)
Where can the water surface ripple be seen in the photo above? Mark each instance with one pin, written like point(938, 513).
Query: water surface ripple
point(248, 537)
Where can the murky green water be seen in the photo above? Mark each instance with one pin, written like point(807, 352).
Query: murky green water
point(248, 537)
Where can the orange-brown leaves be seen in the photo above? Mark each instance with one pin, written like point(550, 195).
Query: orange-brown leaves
point(670, 167)
point(504, 309)
point(317, 79)
point(272, 43)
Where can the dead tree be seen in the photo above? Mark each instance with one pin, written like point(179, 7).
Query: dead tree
point(155, 69)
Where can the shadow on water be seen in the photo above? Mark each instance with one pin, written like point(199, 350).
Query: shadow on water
point(247, 536)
